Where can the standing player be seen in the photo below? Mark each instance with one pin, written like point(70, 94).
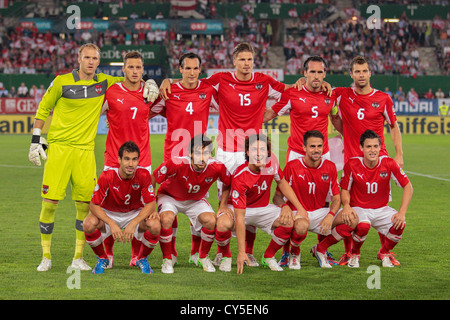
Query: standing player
point(312, 178)
point(362, 108)
point(187, 107)
point(123, 199)
point(250, 196)
point(184, 184)
point(76, 99)
point(187, 113)
point(365, 190)
point(128, 114)
point(309, 109)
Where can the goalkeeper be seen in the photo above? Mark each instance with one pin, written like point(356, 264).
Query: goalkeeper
point(76, 99)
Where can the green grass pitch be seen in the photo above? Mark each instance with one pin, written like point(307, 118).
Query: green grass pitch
point(423, 251)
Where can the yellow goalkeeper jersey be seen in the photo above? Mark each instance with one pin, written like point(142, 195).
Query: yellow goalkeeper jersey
point(77, 105)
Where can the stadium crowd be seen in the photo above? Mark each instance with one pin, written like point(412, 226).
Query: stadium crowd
point(393, 49)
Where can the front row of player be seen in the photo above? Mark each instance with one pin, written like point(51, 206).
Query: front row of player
point(124, 199)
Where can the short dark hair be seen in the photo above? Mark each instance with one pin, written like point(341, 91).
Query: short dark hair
point(133, 55)
point(130, 147)
point(359, 60)
point(311, 134)
point(257, 137)
point(316, 59)
point(200, 140)
point(369, 134)
point(243, 47)
point(189, 55)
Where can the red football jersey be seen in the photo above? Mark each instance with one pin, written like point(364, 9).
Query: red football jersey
point(308, 111)
point(362, 112)
point(252, 189)
point(118, 195)
point(180, 181)
point(241, 106)
point(187, 112)
point(312, 185)
point(370, 188)
point(128, 120)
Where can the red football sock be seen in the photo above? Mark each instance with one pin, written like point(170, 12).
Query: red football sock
point(207, 240)
point(280, 236)
point(348, 242)
point(391, 240)
point(94, 241)
point(340, 232)
point(286, 247)
point(250, 237)
point(320, 237)
point(223, 239)
point(135, 247)
point(359, 236)
point(147, 244)
point(165, 242)
point(174, 236)
point(109, 243)
point(296, 240)
point(196, 241)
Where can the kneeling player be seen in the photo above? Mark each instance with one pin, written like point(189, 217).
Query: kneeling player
point(365, 185)
point(123, 199)
point(184, 185)
point(313, 179)
point(250, 195)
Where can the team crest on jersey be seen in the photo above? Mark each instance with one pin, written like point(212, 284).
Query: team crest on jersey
point(98, 89)
point(150, 188)
point(208, 180)
point(258, 86)
point(135, 186)
point(96, 188)
point(163, 170)
point(375, 105)
point(327, 101)
point(383, 174)
point(325, 176)
point(235, 194)
point(44, 189)
point(202, 96)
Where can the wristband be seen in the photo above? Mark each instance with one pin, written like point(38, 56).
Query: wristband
point(332, 213)
point(36, 138)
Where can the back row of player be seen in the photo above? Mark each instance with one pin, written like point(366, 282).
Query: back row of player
point(242, 98)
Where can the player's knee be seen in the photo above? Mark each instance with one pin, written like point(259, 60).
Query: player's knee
point(208, 220)
point(153, 226)
point(167, 218)
point(301, 226)
point(90, 223)
point(224, 223)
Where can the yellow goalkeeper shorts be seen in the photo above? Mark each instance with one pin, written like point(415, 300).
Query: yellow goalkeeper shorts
point(67, 164)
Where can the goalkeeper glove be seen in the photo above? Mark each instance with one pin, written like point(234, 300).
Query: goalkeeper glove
point(37, 148)
point(151, 90)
